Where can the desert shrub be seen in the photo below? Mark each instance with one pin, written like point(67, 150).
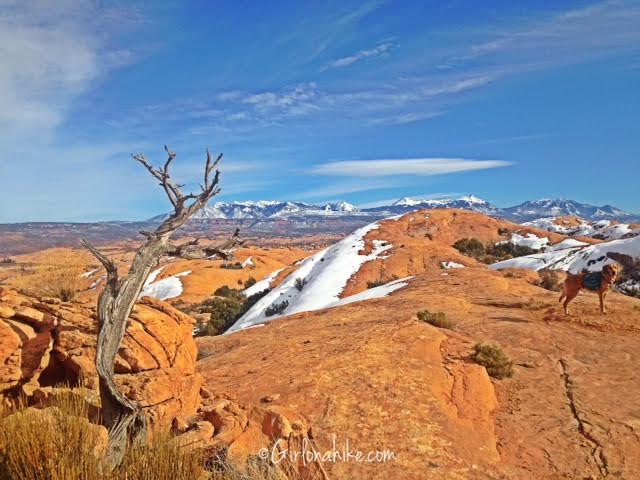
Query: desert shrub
point(276, 308)
point(249, 282)
point(228, 292)
point(493, 358)
point(7, 260)
point(251, 300)
point(224, 312)
point(224, 309)
point(437, 319)
point(375, 283)
point(470, 246)
point(492, 252)
point(503, 231)
point(300, 283)
point(381, 281)
point(232, 266)
point(504, 251)
point(549, 280)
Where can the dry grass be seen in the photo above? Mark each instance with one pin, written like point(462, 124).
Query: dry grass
point(59, 443)
point(437, 319)
point(53, 444)
point(549, 280)
point(56, 274)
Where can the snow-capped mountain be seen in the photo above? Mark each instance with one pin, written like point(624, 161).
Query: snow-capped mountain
point(407, 204)
point(527, 211)
point(270, 209)
point(547, 207)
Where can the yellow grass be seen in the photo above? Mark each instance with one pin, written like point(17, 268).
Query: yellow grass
point(59, 443)
point(54, 273)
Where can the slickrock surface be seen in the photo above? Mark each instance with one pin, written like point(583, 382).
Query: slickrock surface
point(372, 373)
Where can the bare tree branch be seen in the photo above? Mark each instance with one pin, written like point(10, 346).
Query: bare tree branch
point(123, 417)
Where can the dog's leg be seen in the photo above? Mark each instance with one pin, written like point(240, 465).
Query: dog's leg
point(569, 297)
point(603, 308)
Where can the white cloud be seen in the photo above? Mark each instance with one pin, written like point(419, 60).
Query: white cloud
point(49, 54)
point(361, 55)
point(409, 166)
point(569, 37)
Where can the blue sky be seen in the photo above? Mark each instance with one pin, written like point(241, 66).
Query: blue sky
point(507, 100)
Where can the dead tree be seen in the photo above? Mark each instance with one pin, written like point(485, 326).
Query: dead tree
point(123, 417)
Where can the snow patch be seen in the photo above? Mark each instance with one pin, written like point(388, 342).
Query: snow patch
point(247, 263)
point(262, 285)
point(326, 274)
point(529, 240)
point(89, 273)
point(449, 265)
point(375, 292)
point(166, 288)
point(574, 257)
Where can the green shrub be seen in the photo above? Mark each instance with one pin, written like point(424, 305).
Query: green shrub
point(437, 319)
point(492, 252)
point(276, 308)
point(470, 246)
point(224, 312)
point(227, 292)
point(225, 308)
point(493, 359)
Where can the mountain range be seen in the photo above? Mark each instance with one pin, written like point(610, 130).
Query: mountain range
point(524, 212)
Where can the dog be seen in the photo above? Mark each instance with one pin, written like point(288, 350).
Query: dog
point(574, 283)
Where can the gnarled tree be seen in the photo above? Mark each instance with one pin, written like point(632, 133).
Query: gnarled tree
point(123, 417)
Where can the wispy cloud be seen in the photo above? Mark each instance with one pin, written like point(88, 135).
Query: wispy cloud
point(404, 118)
point(569, 37)
point(409, 166)
point(50, 55)
point(376, 51)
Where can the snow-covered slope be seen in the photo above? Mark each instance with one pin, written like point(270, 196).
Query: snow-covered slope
point(319, 280)
point(574, 256)
point(602, 229)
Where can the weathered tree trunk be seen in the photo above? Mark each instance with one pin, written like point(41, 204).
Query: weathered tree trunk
point(124, 418)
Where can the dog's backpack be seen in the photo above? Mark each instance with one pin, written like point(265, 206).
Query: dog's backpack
point(592, 280)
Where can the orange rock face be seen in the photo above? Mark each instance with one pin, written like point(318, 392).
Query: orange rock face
point(373, 375)
point(47, 343)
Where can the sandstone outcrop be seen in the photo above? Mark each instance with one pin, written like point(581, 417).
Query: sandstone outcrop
point(44, 343)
